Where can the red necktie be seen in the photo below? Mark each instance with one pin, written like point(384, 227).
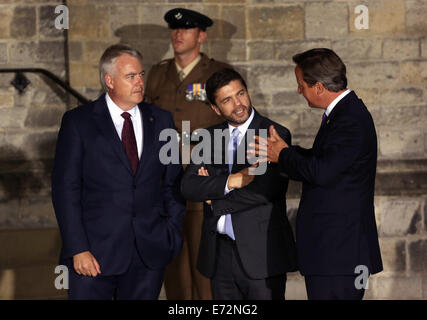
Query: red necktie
point(129, 141)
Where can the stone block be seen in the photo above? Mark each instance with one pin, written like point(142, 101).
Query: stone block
point(399, 217)
point(9, 210)
point(23, 24)
point(271, 78)
point(93, 50)
point(48, 51)
point(37, 212)
point(413, 116)
point(32, 282)
point(23, 52)
point(287, 118)
point(6, 15)
point(236, 15)
point(416, 13)
point(221, 29)
point(44, 116)
point(122, 15)
point(3, 53)
point(84, 75)
point(276, 22)
point(401, 96)
point(7, 97)
point(261, 50)
point(153, 14)
point(287, 49)
point(393, 254)
point(326, 20)
point(401, 49)
point(12, 117)
point(75, 50)
point(398, 287)
point(405, 143)
point(47, 18)
point(23, 247)
point(287, 98)
point(424, 47)
point(372, 75)
point(40, 145)
point(386, 17)
point(413, 72)
point(370, 96)
point(89, 22)
point(418, 256)
point(351, 49)
point(225, 50)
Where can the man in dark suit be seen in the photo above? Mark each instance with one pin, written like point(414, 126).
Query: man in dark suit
point(247, 245)
point(336, 231)
point(118, 207)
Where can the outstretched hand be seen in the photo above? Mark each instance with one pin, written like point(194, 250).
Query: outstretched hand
point(267, 149)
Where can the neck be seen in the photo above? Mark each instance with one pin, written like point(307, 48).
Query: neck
point(331, 96)
point(184, 59)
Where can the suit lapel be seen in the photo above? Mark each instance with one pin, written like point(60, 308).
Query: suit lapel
point(331, 118)
point(103, 121)
point(148, 123)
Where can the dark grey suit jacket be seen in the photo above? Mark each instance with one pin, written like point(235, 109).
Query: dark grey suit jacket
point(263, 234)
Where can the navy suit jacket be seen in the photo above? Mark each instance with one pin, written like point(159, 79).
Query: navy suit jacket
point(101, 206)
point(336, 229)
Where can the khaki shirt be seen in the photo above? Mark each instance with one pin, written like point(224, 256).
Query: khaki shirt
point(164, 89)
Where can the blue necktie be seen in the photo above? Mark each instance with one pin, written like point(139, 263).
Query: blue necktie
point(235, 142)
point(324, 118)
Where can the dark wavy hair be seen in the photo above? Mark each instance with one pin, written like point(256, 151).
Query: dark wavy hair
point(220, 79)
point(322, 65)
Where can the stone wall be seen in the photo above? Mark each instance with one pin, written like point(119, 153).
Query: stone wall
point(386, 65)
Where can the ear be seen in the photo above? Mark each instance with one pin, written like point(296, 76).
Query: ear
point(320, 89)
point(109, 81)
point(202, 36)
point(216, 109)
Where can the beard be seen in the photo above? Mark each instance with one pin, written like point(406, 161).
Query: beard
point(239, 115)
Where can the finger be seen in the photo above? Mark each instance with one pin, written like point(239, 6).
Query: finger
point(273, 133)
point(97, 267)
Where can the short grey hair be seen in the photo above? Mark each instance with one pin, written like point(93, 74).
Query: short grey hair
point(109, 57)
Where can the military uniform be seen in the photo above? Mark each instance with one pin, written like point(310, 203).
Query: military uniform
point(187, 101)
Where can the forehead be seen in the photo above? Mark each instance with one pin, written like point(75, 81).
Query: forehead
point(127, 62)
point(230, 88)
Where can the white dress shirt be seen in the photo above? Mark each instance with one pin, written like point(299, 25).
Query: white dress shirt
point(118, 120)
point(335, 101)
point(242, 129)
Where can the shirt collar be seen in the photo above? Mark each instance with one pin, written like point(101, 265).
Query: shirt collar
point(116, 111)
point(335, 101)
point(244, 126)
point(190, 67)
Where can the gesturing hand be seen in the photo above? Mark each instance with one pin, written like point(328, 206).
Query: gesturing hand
point(267, 150)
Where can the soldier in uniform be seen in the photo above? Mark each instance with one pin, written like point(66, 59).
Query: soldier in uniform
point(178, 85)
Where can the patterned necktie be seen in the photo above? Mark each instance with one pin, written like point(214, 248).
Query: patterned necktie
point(235, 142)
point(129, 141)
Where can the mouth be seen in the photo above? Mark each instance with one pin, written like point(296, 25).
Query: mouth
point(240, 111)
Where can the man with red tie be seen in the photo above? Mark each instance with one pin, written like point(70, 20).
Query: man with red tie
point(118, 206)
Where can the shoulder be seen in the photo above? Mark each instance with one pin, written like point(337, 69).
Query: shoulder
point(214, 64)
point(156, 111)
point(164, 64)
